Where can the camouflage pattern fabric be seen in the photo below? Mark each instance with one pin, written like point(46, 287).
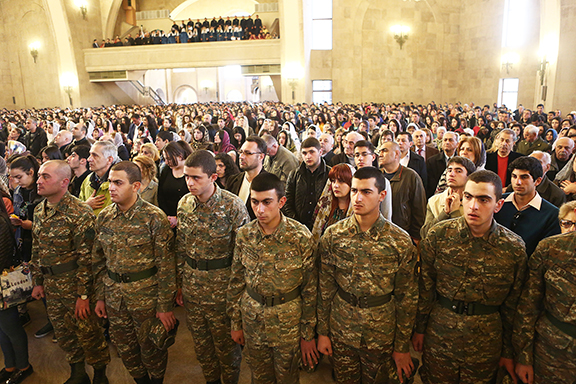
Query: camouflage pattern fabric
point(207, 231)
point(65, 233)
point(377, 262)
point(489, 270)
point(551, 287)
point(273, 265)
point(130, 242)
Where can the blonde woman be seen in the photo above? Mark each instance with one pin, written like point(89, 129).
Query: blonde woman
point(149, 184)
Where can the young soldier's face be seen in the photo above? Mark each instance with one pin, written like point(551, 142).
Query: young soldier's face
point(365, 197)
point(198, 182)
point(121, 191)
point(266, 205)
point(480, 203)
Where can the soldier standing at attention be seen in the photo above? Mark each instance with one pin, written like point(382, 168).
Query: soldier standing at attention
point(63, 234)
point(208, 220)
point(134, 272)
point(368, 289)
point(545, 327)
point(472, 274)
point(273, 286)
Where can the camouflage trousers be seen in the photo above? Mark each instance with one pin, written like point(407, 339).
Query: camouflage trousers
point(139, 360)
point(363, 365)
point(81, 340)
point(218, 355)
point(554, 355)
point(460, 348)
point(278, 364)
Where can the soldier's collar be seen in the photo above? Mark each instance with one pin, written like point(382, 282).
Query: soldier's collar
point(278, 233)
point(213, 200)
point(491, 236)
point(373, 232)
point(59, 207)
point(129, 214)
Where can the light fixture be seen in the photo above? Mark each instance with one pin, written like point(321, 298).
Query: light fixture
point(542, 71)
point(400, 33)
point(68, 81)
point(508, 60)
point(293, 73)
point(206, 85)
point(83, 5)
point(34, 47)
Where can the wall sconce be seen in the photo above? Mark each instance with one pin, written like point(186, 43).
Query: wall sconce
point(542, 71)
point(206, 85)
point(34, 47)
point(83, 5)
point(68, 81)
point(508, 61)
point(293, 73)
point(400, 33)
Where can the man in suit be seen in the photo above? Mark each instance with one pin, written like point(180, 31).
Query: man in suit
point(251, 156)
point(498, 160)
point(436, 164)
point(410, 159)
point(327, 143)
point(420, 147)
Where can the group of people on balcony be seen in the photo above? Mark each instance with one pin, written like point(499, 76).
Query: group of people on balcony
point(244, 28)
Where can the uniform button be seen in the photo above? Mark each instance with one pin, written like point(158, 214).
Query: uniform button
point(453, 307)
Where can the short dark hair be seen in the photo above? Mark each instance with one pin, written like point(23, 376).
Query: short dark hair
point(405, 134)
point(266, 182)
point(485, 176)
point(83, 151)
point(366, 173)
point(366, 144)
point(262, 147)
point(311, 142)
point(202, 159)
point(527, 163)
point(165, 135)
point(132, 170)
point(466, 163)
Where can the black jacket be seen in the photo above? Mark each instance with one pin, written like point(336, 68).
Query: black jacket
point(36, 141)
point(435, 166)
point(340, 158)
point(418, 164)
point(301, 201)
point(492, 163)
point(234, 183)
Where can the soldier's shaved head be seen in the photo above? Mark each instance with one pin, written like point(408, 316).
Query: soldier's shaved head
point(59, 167)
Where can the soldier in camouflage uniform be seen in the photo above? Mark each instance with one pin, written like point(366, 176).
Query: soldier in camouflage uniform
point(63, 234)
point(134, 271)
point(472, 274)
point(208, 220)
point(272, 290)
point(545, 328)
point(368, 289)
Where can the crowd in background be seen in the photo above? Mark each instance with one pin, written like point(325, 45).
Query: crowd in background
point(195, 32)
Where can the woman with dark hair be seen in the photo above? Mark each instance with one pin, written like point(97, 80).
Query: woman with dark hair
point(23, 175)
point(222, 142)
point(150, 123)
point(13, 339)
point(334, 203)
point(225, 167)
point(394, 126)
point(238, 138)
point(172, 183)
point(50, 152)
point(199, 138)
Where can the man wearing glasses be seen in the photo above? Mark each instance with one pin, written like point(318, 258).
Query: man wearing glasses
point(251, 156)
point(524, 211)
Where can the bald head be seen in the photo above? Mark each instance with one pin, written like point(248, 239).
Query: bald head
point(63, 138)
point(564, 148)
point(60, 168)
point(350, 140)
point(53, 180)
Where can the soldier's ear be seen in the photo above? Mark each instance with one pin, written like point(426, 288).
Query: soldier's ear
point(499, 205)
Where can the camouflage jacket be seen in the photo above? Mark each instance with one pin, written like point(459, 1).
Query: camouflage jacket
point(272, 265)
point(130, 242)
point(207, 231)
point(489, 270)
point(551, 287)
point(377, 262)
point(61, 234)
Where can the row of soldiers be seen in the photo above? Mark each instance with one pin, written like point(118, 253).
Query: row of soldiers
point(473, 303)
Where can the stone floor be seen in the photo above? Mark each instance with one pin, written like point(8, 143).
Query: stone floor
point(51, 368)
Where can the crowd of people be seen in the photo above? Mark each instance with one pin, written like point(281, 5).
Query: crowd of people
point(195, 32)
point(296, 231)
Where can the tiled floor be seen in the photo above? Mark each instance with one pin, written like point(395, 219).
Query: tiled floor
point(51, 368)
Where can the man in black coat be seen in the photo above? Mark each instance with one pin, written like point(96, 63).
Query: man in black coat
point(35, 139)
point(251, 156)
point(436, 165)
point(499, 160)
point(306, 183)
point(411, 159)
